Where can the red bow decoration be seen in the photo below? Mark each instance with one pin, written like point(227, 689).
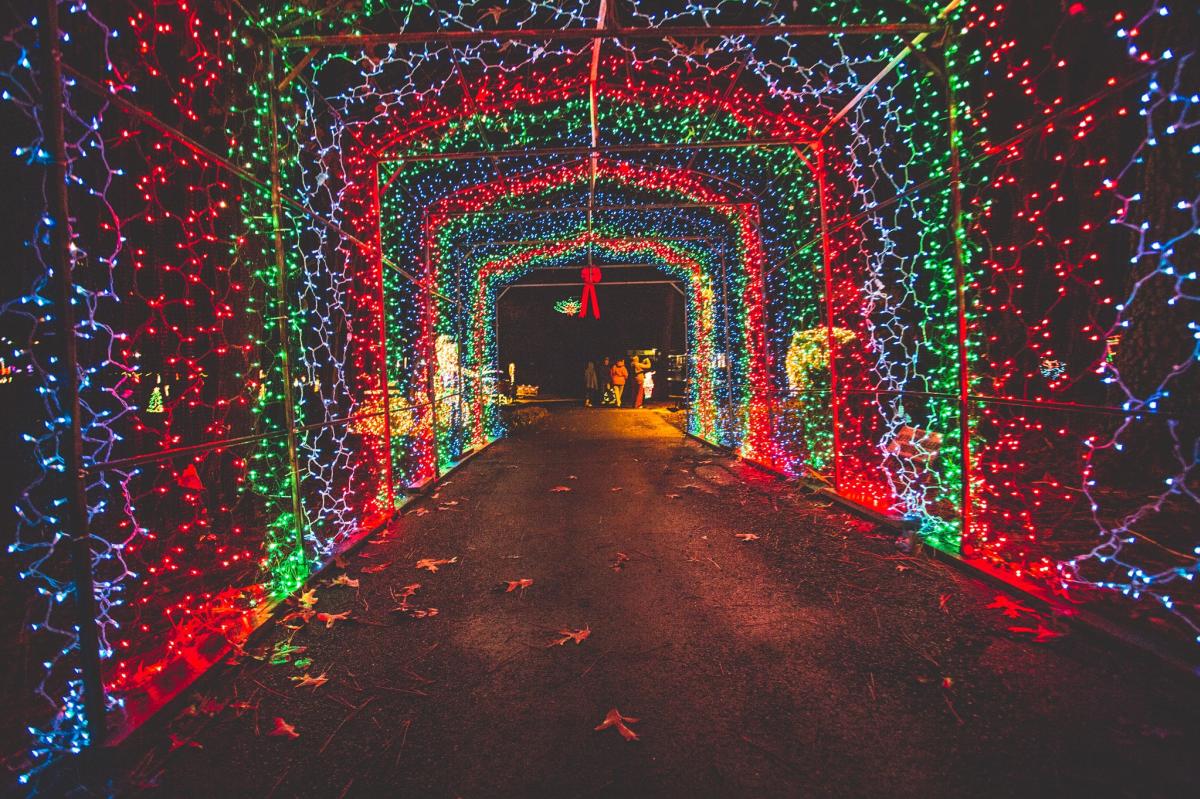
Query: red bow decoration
point(591, 276)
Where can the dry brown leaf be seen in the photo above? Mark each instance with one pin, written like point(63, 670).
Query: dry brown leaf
point(746, 537)
point(578, 636)
point(615, 719)
point(433, 563)
point(308, 599)
point(560, 489)
point(331, 619)
point(1010, 607)
point(346, 580)
point(1041, 634)
point(308, 680)
point(618, 562)
point(513, 585)
point(178, 742)
point(375, 568)
point(283, 728)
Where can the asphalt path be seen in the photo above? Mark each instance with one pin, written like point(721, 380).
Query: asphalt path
point(767, 644)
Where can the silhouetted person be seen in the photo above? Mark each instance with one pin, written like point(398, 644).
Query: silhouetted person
point(640, 367)
point(590, 384)
point(619, 375)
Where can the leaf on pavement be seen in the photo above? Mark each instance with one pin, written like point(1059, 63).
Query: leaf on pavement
point(283, 651)
point(1041, 634)
point(346, 580)
point(746, 537)
point(433, 563)
point(308, 599)
point(513, 585)
point(1010, 607)
point(304, 617)
point(331, 619)
point(283, 728)
point(618, 562)
point(178, 742)
point(560, 489)
point(577, 636)
point(307, 680)
point(615, 719)
point(375, 568)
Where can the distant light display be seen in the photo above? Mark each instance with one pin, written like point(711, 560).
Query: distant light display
point(567, 307)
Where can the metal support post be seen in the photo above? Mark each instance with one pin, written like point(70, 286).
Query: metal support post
point(281, 325)
point(964, 375)
point(831, 338)
point(62, 260)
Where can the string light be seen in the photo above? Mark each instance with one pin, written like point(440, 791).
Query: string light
point(374, 336)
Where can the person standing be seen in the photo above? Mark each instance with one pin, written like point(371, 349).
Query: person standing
point(590, 384)
point(606, 380)
point(641, 365)
point(619, 375)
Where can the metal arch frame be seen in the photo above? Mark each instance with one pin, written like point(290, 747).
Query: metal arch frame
point(325, 41)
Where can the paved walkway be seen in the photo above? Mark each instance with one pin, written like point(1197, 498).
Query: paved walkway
point(812, 661)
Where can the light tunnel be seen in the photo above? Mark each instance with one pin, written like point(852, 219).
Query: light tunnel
point(921, 273)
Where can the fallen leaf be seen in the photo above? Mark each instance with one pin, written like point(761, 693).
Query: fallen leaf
point(615, 488)
point(900, 567)
point(942, 600)
point(1010, 607)
point(572, 477)
point(947, 683)
point(283, 652)
point(433, 563)
point(618, 562)
point(283, 728)
point(339, 561)
point(1041, 634)
point(302, 663)
point(746, 537)
point(422, 613)
point(177, 742)
point(673, 496)
point(375, 568)
point(615, 719)
point(513, 585)
point(346, 580)
point(210, 706)
point(308, 680)
point(308, 599)
point(331, 619)
point(560, 489)
point(420, 511)
point(305, 616)
point(242, 705)
point(410, 589)
point(577, 636)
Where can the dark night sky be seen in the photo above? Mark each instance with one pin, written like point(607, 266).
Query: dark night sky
point(551, 349)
